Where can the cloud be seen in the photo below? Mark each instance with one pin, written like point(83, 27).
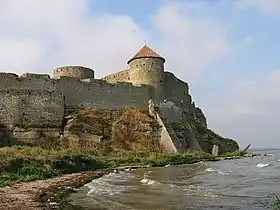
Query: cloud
point(249, 111)
point(40, 35)
point(190, 42)
point(267, 5)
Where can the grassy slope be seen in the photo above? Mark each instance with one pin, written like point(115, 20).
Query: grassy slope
point(33, 163)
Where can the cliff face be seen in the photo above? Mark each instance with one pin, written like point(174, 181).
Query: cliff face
point(190, 126)
point(135, 129)
point(129, 129)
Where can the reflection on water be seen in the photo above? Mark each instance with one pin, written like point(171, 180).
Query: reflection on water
point(232, 184)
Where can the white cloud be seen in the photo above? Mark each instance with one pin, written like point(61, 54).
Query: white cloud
point(46, 34)
point(267, 5)
point(20, 55)
point(249, 111)
point(42, 35)
point(190, 43)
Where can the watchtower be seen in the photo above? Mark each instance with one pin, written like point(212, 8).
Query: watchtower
point(147, 67)
point(79, 72)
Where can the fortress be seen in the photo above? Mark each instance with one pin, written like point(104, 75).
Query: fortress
point(33, 104)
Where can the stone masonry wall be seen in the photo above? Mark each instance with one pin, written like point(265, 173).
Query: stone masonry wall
point(82, 94)
point(148, 71)
point(31, 108)
point(100, 94)
point(122, 76)
point(12, 81)
point(28, 115)
point(73, 71)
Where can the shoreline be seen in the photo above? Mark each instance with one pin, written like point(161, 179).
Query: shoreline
point(52, 193)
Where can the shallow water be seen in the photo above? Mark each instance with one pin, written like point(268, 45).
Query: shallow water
point(247, 184)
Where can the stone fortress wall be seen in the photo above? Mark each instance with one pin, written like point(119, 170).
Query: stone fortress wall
point(122, 76)
point(80, 93)
point(94, 92)
point(39, 101)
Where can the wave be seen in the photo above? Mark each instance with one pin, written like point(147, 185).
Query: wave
point(270, 155)
point(216, 170)
point(195, 190)
point(262, 165)
point(109, 184)
point(147, 181)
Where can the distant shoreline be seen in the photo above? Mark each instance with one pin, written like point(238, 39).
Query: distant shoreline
point(263, 149)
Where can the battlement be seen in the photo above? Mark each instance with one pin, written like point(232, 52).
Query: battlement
point(37, 76)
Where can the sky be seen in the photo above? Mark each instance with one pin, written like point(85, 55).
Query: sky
point(227, 50)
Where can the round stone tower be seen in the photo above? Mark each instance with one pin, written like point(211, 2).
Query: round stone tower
point(147, 67)
point(79, 72)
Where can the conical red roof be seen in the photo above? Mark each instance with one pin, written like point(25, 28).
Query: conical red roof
point(145, 52)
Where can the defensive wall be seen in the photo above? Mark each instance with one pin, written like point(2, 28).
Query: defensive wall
point(35, 103)
point(79, 93)
point(31, 108)
point(122, 76)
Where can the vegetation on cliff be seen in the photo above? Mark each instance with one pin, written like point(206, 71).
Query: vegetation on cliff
point(127, 129)
point(93, 139)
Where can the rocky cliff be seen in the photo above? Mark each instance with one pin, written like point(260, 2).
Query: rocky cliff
point(190, 126)
point(103, 129)
point(136, 129)
point(94, 129)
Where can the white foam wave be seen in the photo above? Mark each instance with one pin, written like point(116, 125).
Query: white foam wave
point(271, 155)
point(200, 190)
point(147, 181)
point(216, 170)
point(262, 165)
point(108, 184)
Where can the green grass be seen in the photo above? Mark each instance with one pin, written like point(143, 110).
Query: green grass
point(32, 163)
point(232, 154)
point(276, 203)
point(19, 164)
point(123, 158)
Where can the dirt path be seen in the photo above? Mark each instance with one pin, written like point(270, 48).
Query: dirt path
point(43, 194)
